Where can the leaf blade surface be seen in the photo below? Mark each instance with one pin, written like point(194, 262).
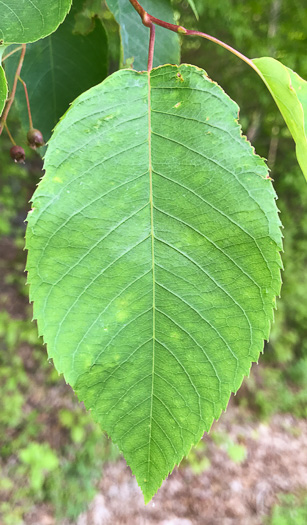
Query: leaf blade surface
point(23, 21)
point(162, 301)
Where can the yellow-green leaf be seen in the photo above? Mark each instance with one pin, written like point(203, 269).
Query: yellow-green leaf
point(194, 9)
point(289, 91)
point(3, 90)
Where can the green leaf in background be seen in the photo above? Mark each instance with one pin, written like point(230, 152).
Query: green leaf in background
point(194, 9)
point(289, 91)
point(153, 259)
point(53, 76)
point(135, 36)
point(3, 90)
point(23, 21)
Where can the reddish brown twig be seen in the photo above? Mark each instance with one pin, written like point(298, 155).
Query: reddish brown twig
point(11, 53)
point(10, 100)
point(148, 20)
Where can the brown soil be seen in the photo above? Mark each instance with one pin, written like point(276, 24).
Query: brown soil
point(225, 494)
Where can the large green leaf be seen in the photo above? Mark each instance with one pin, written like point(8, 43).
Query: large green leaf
point(154, 259)
point(23, 21)
point(289, 91)
point(53, 77)
point(135, 36)
point(3, 90)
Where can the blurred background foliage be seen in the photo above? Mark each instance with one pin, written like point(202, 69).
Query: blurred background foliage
point(50, 450)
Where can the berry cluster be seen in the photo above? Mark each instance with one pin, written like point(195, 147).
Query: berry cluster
point(34, 136)
point(35, 140)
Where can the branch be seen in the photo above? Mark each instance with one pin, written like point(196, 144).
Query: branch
point(11, 53)
point(138, 8)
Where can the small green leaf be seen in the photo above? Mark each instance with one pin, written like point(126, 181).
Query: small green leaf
point(289, 91)
point(193, 7)
point(3, 90)
point(153, 259)
point(53, 76)
point(23, 21)
point(135, 36)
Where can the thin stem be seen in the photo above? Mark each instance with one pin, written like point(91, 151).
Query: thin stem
point(28, 102)
point(225, 46)
point(11, 53)
point(9, 134)
point(148, 20)
point(12, 96)
point(151, 46)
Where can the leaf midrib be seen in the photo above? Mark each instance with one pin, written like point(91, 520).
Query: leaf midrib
point(153, 273)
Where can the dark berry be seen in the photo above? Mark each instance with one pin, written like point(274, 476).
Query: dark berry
point(35, 138)
point(18, 154)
